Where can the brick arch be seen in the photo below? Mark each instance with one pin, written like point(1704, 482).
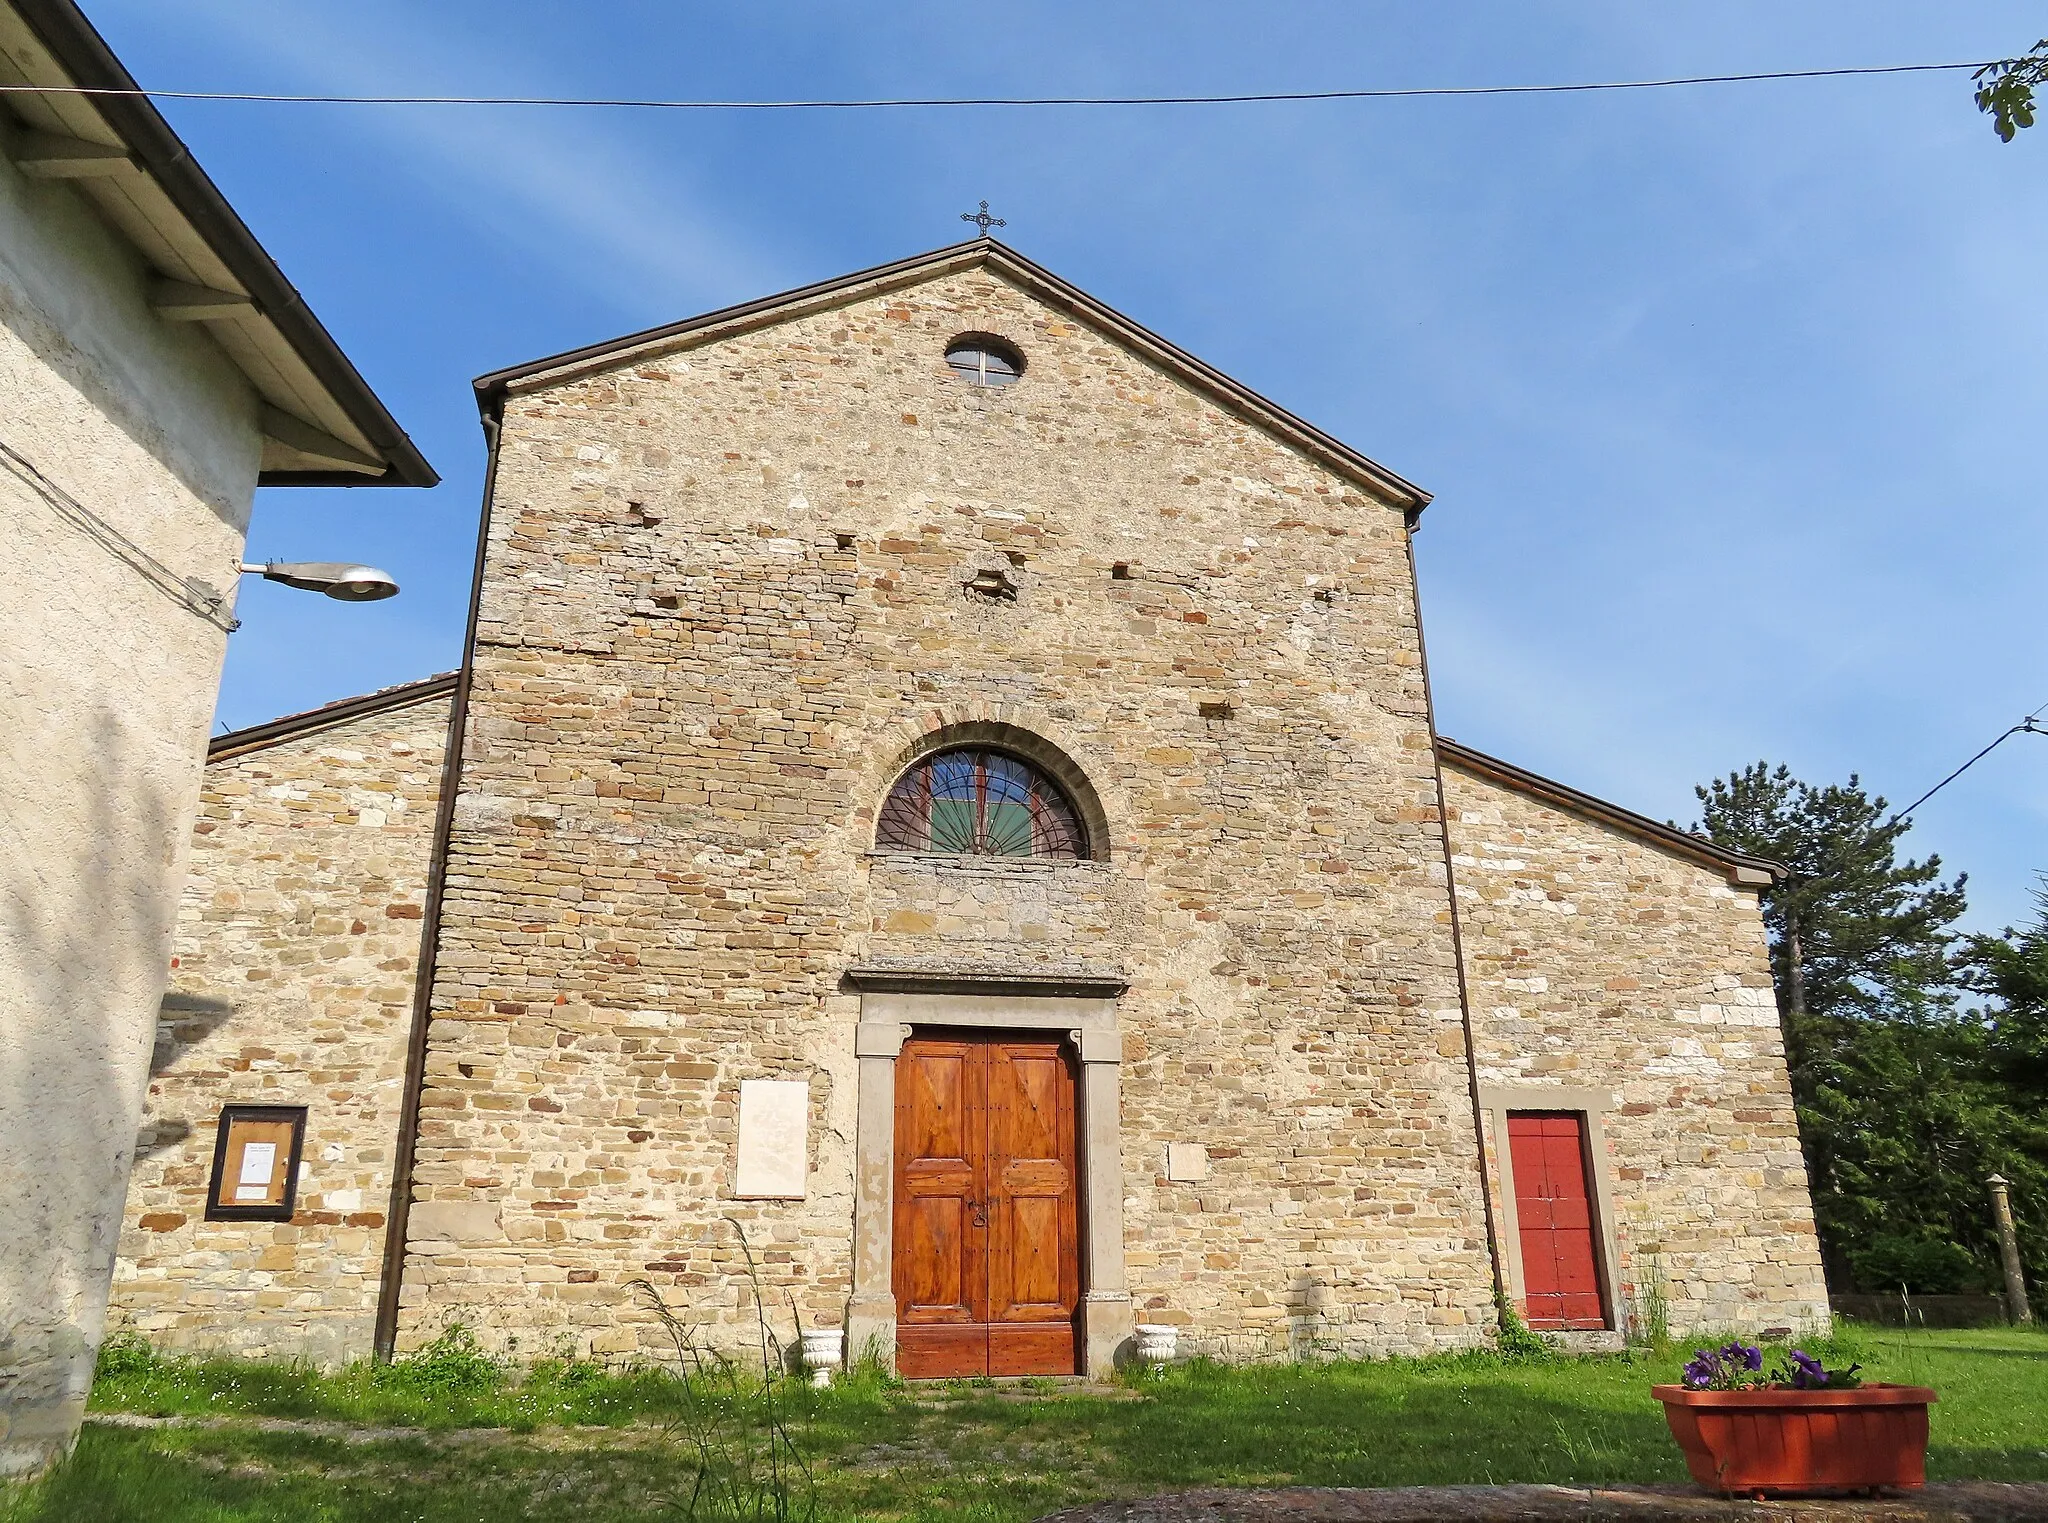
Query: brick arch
point(1000, 728)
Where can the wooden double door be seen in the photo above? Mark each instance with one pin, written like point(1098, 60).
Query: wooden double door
point(987, 1264)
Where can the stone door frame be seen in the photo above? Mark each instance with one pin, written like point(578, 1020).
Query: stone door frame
point(1592, 1106)
point(892, 1001)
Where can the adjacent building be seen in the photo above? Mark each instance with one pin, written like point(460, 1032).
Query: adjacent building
point(155, 368)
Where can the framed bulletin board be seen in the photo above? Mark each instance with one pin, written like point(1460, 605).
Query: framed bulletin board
point(256, 1163)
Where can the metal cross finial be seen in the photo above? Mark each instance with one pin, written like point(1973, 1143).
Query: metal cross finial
point(983, 220)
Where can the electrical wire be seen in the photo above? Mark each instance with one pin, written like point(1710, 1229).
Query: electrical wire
point(189, 592)
point(931, 102)
point(2028, 726)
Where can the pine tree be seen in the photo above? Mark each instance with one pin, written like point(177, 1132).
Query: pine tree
point(1854, 931)
point(2013, 970)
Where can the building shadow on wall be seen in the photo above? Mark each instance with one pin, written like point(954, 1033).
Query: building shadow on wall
point(183, 1022)
point(116, 406)
point(86, 901)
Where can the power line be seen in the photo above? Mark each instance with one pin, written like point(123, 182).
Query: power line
point(198, 596)
point(2027, 726)
point(943, 101)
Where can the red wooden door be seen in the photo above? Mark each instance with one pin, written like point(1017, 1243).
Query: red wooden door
point(1554, 1220)
point(987, 1261)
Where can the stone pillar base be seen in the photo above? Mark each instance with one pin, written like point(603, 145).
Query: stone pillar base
point(871, 1332)
point(1106, 1322)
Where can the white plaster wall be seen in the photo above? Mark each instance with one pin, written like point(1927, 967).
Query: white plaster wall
point(107, 687)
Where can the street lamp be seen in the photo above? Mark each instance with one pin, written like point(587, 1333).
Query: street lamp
point(338, 579)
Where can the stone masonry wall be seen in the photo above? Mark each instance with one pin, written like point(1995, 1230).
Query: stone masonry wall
point(723, 603)
point(298, 939)
point(1597, 960)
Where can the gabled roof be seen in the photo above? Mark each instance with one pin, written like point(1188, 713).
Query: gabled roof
point(1005, 261)
point(272, 732)
point(1741, 870)
point(322, 424)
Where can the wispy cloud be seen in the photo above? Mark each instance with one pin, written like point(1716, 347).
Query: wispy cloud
point(577, 191)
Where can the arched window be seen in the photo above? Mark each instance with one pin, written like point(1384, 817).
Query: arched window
point(982, 359)
point(980, 803)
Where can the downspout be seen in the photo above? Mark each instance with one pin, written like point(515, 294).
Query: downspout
point(386, 1335)
point(1443, 809)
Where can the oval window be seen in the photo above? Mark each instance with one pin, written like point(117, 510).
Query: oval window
point(982, 360)
point(980, 803)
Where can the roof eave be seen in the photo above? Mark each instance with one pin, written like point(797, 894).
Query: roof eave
point(1740, 869)
point(87, 60)
point(274, 732)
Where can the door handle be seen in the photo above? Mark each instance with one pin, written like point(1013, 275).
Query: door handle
point(980, 1210)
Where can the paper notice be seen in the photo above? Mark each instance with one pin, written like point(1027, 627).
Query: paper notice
point(259, 1161)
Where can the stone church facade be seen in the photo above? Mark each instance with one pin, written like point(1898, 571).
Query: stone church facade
point(946, 832)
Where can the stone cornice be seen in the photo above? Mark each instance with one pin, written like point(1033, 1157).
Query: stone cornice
point(874, 980)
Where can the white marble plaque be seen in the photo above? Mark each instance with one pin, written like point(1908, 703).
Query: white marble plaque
point(774, 1142)
point(1187, 1162)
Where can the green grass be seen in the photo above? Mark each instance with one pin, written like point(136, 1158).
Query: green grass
point(420, 1394)
point(575, 1445)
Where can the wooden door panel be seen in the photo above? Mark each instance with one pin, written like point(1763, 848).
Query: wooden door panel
point(932, 1285)
point(940, 1269)
point(1033, 1348)
point(1036, 1176)
point(941, 1353)
point(1034, 1259)
point(937, 1082)
point(1034, 1243)
point(1033, 1076)
point(987, 1263)
point(1555, 1221)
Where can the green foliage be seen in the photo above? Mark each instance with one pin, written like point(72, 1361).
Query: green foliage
point(1512, 1336)
point(552, 1391)
point(2010, 1053)
point(454, 1364)
point(1918, 1263)
point(2005, 90)
point(2012, 971)
point(126, 1352)
point(1906, 1103)
point(1651, 1324)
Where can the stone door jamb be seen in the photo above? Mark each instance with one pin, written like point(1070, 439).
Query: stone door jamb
point(1593, 1104)
point(892, 1001)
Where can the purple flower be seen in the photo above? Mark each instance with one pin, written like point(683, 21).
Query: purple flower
point(1743, 1356)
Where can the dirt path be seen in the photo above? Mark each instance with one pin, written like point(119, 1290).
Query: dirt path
point(620, 1435)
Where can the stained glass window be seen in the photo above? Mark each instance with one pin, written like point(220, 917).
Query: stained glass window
point(979, 803)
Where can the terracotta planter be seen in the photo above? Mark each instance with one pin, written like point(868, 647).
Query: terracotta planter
point(1801, 1441)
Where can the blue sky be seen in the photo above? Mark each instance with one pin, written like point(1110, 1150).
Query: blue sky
point(1730, 396)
